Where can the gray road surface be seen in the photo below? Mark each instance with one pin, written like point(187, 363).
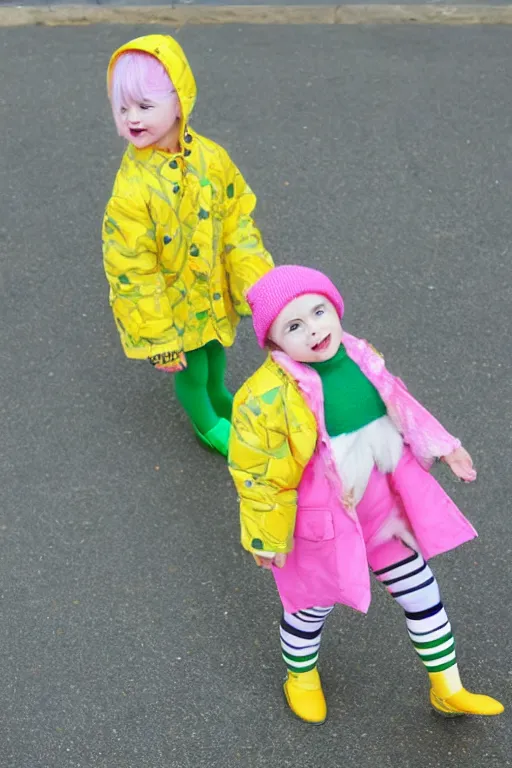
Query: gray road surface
point(135, 631)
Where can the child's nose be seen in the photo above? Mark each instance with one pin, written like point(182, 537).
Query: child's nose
point(133, 115)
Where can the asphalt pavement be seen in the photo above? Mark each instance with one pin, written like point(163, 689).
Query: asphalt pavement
point(136, 633)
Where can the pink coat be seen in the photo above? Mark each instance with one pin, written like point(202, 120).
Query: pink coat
point(329, 562)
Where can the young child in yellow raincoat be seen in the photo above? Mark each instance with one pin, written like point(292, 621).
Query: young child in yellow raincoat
point(180, 247)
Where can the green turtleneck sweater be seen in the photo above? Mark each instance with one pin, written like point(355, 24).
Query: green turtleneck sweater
point(350, 399)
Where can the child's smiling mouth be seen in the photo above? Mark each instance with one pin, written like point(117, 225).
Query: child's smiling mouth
point(322, 345)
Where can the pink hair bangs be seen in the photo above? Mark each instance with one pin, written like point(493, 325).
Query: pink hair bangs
point(139, 77)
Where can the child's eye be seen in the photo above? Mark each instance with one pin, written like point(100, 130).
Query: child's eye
point(145, 106)
point(293, 327)
point(320, 312)
point(122, 110)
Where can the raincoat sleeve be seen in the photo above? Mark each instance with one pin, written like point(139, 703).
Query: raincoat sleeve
point(137, 288)
point(246, 257)
point(266, 475)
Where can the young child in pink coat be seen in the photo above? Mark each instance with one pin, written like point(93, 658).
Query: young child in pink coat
point(330, 456)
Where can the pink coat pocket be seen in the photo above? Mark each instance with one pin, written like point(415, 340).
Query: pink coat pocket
point(314, 524)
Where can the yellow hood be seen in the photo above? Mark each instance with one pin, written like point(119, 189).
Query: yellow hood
point(171, 55)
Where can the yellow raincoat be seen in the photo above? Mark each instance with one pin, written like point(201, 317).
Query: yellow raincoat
point(273, 438)
point(180, 247)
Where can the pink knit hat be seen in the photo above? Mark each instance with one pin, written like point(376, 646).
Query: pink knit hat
point(281, 285)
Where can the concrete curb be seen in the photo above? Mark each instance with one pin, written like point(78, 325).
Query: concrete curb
point(74, 15)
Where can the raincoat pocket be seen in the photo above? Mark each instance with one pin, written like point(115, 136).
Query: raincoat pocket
point(314, 524)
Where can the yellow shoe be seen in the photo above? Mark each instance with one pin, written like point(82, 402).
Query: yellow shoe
point(465, 703)
point(303, 691)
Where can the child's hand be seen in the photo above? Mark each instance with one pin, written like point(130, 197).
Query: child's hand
point(267, 562)
point(170, 362)
point(461, 464)
point(176, 367)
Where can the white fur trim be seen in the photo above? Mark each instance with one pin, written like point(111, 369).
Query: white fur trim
point(356, 453)
point(395, 527)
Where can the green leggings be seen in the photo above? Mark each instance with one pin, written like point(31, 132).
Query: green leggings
point(200, 388)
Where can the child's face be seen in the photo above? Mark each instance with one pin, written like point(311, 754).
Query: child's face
point(308, 329)
point(149, 123)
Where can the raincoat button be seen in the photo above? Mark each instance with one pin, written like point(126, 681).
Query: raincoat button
point(248, 483)
point(173, 164)
point(167, 239)
point(187, 152)
point(216, 296)
point(194, 250)
point(176, 188)
point(188, 138)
